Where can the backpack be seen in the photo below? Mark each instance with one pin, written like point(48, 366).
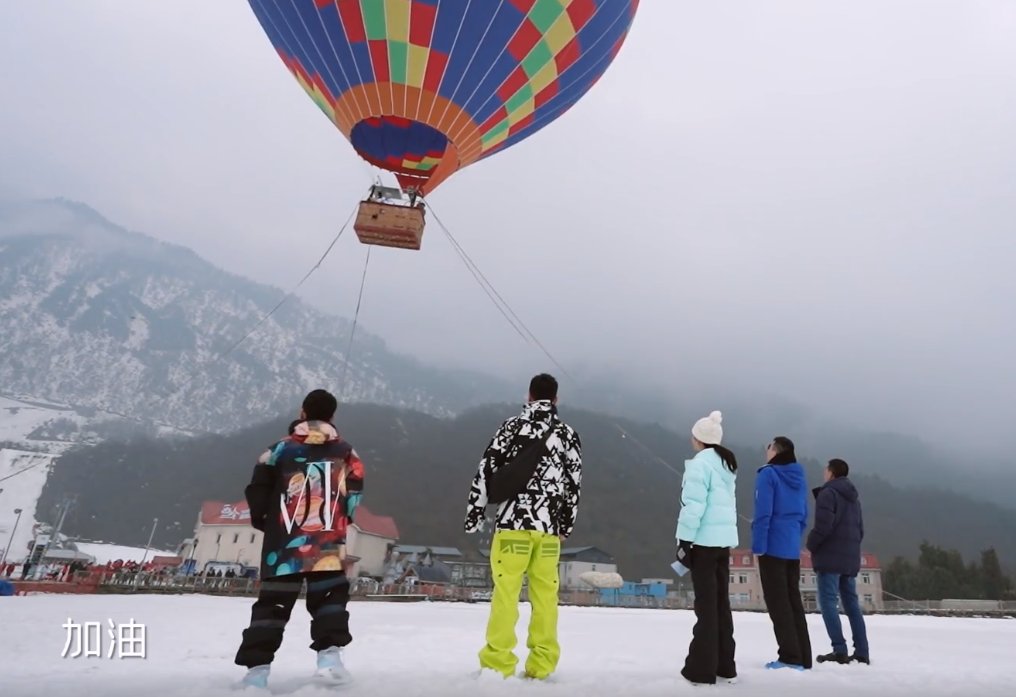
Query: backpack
point(513, 477)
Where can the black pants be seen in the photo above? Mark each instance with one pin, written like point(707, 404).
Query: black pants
point(781, 587)
point(327, 595)
point(711, 653)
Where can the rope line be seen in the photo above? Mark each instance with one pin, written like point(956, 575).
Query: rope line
point(295, 288)
point(497, 298)
point(508, 313)
point(479, 280)
point(356, 317)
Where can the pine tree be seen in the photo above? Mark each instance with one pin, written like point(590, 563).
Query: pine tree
point(995, 584)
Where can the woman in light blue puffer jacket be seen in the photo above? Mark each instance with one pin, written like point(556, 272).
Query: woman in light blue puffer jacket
point(706, 531)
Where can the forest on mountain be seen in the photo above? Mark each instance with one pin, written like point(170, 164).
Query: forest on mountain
point(419, 469)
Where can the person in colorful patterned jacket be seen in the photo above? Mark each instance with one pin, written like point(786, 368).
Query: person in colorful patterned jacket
point(303, 495)
point(529, 529)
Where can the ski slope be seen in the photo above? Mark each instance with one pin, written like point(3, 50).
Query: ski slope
point(430, 649)
point(103, 552)
point(24, 475)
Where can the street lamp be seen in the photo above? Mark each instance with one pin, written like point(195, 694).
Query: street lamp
point(17, 520)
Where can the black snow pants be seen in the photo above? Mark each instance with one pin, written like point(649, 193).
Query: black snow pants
point(781, 587)
point(711, 653)
point(327, 596)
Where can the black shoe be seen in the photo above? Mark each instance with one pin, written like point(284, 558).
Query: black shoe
point(861, 659)
point(696, 683)
point(840, 658)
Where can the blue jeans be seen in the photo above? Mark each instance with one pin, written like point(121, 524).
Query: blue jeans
point(833, 588)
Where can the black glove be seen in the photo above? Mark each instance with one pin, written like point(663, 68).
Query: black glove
point(684, 552)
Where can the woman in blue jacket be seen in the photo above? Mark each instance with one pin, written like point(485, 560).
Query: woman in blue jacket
point(781, 515)
point(706, 531)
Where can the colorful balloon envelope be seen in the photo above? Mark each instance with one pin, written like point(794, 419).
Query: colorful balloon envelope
point(424, 88)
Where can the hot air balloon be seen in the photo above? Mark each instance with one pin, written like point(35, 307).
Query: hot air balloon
point(424, 88)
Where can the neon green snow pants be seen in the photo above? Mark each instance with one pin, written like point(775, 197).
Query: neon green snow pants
point(535, 554)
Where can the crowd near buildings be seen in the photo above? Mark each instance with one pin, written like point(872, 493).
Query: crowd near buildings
point(225, 545)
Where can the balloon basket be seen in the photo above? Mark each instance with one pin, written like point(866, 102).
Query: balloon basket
point(390, 224)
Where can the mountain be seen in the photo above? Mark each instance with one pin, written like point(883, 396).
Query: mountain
point(95, 316)
point(419, 468)
point(105, 332)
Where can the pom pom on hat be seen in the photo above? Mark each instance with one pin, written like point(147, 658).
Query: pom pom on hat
point(709, 430)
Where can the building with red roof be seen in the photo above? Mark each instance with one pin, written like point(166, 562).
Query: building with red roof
point(746, 586)
point(224, 538)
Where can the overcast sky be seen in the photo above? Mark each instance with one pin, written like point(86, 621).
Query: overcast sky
point(809, 199)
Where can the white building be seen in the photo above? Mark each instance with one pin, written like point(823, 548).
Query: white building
point(223, 538)
point(370, 539)
point(223, 535)
point(576, 561)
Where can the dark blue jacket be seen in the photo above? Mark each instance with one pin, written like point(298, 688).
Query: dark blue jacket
point(835, 541)
point(781, 511)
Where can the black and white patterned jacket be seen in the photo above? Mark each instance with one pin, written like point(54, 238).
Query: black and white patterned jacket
point(550, 502)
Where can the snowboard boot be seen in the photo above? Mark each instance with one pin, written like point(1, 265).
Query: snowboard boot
point(330, 668)
point(256, 677)
point(777, 665)
point(840, 658)
point(861, 659)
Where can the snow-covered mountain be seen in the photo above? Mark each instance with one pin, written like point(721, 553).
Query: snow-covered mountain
point(97, 317)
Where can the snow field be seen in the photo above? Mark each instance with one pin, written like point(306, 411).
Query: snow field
point(410, 649)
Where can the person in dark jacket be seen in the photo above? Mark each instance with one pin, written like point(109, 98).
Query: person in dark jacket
point(835, 546)
point(781, 517)
point(303, 495)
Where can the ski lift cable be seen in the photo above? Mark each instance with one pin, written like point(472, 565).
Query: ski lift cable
point(22, 471)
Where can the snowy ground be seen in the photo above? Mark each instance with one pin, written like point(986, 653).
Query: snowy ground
point(19, 418)
point(430, 649)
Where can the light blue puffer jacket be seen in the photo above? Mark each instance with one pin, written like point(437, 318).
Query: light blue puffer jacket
point(708, 502)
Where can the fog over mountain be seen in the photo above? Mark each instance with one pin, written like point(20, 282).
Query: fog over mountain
point(802, 207)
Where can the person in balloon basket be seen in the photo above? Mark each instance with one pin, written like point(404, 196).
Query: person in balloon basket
point(532, 468)
point(706, 532)
point(781, 517)
point(835, 546)
point(303, 494)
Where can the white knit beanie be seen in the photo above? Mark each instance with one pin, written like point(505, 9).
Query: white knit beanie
point(709, 430)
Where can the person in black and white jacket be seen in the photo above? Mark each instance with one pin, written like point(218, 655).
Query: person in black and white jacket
point(529, 528)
